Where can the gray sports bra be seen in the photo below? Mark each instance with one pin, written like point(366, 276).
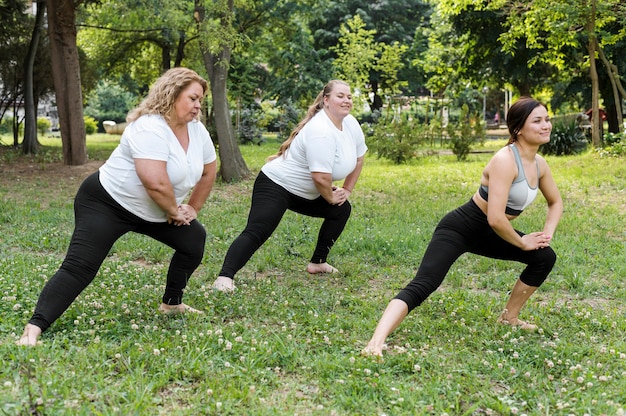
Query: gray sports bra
point(521, 193)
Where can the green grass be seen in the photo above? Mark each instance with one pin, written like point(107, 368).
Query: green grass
point(287, 342)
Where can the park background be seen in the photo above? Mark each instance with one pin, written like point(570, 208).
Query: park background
point(428, 78)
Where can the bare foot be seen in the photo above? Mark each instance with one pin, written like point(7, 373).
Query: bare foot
point(30, 335)
point(315, 268)
point(373, 351)
point(174, 309)
point(224, 284)
point(516, 322)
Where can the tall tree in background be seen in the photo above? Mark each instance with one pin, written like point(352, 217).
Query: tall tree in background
point(155, 35)
point(217, 39)
point(66, 74)
point(553, 26)
point(30, 144)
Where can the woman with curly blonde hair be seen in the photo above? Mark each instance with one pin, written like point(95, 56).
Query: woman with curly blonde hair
point(164, 154)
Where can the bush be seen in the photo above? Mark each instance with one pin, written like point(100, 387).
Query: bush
point(612, 138)
point(6, 125)
point(249, 131)
point(466, 132)
point(568, 136)
point(43, 125)
point(396, 140)
point(91, 125)
point(288, 120)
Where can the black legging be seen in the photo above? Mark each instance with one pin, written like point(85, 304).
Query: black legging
point(466, 230)
point(99, 222)
point(270, 201)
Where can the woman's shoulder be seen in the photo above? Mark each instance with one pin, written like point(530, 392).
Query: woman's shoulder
point(148, 122)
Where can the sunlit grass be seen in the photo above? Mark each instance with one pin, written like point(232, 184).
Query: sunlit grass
point(287, 342)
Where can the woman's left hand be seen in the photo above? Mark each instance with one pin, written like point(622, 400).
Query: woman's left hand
point(188, 212)
point(340, 195)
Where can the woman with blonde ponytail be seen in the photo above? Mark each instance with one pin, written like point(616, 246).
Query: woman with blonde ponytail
point(327, 146)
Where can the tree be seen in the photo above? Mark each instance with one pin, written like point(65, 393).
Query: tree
point(30, 144)
point(14, 35)
point(553, 26)
point(393, 20)
point(356, 55)
point(143, 41)
point(66, 73)
point(217, 37)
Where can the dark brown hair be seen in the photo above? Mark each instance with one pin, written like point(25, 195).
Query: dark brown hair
point(518, 113)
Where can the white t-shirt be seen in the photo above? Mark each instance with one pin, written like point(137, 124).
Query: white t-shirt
point(318, 147)
point(149, 137)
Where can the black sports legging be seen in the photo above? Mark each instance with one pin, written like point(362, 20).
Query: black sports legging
point(464, 230)
point(99, 222)
point(270, 201)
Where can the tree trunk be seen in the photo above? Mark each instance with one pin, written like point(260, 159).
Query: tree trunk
point(232, 165)
point(30, 145)
point(615, 85)
point(66, 74)
point(593, 75)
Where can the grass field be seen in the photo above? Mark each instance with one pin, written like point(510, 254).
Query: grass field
point(288, 343)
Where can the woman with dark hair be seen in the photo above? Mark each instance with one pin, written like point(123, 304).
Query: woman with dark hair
point(164, 155)
point(328, 145)
point(482, 226)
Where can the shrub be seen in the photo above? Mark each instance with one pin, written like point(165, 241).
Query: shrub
point(396, 140)
point(568, 136)
point(91, 125)
point(466, 132)
point(249, 131)
point(289, 118)
point(43, 125)
point(612, 138)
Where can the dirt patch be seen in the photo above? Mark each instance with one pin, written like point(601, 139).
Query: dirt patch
point(27, 171)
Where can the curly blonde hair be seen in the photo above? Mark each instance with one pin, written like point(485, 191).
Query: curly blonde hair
point(164, 93)
point(317, 105)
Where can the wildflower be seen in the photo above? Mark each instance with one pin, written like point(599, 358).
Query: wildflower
point(156, 351)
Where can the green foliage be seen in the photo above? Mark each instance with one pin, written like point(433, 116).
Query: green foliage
point(465, 133)
point(287, 121)
point(43, 125)
point(397, 139)
point(6, 125)
point(249, 131)
point(567, 137)
point(109, 101)
point(356, 54)
point(615, 145)
point(612, 138)
point(91, 125)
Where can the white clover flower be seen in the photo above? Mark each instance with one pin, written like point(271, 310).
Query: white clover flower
point(156, 351)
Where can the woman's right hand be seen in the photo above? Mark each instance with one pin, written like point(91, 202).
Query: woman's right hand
point(182, 217)
point(535, 241)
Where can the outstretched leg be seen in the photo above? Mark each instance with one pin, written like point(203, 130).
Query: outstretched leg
point(394, 314)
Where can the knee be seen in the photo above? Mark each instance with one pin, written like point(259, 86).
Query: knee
point(195, 240)
point(537, 272)
point(343, 211)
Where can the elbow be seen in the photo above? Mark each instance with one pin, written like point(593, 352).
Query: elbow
point(497, 222)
